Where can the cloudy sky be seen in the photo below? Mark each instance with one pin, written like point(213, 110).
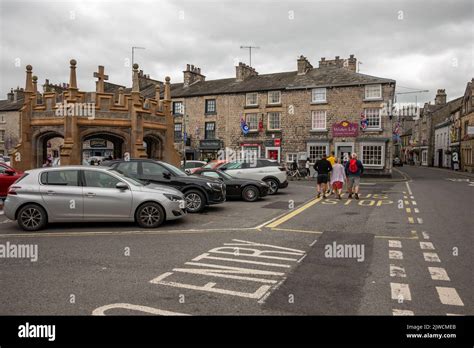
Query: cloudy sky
point(421, 44)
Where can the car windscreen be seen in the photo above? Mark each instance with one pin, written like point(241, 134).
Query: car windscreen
point(225, 175)
point(174, 170)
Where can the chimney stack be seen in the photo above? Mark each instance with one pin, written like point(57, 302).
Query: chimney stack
point(192, 74)
point(243, 71)
point(349, 64)
point(11, 95)
point(440, 97)
point(303, 65)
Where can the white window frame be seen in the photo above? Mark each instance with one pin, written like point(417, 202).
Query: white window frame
point(372, 128)
point(181, 111)
point(247, 99)
point(367, 92)
point(382, 154)
point(308, 149)
point(279, 121)
point(269, 148)
point(269, 98)
point(316, 92)
point(291, 156)
point(424, 157)
point(320, 112)
point(248, 123)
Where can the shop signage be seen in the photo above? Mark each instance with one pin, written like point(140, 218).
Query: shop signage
point(210, 144)
point(277, 142)
point(98, 143)
point(345, 129)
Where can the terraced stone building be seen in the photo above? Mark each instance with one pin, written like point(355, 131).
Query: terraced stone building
point(291, 115)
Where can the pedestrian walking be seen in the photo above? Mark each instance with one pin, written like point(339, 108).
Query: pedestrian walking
point(332, 160)
point(306, 165)
point(354, 170)
point(338, 177)
point(323, 167)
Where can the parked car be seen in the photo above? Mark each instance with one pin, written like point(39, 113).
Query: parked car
point(199, 192)
point(397, 162)
point(248, 189)
point(260, 169)
point(215, 164)
point(5, 159)
point(84, 193)
point(8, 176)
point(191, 166)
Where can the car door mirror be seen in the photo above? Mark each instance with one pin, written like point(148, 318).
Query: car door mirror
point(167, 175)
point(9, 172)
point(121, 186)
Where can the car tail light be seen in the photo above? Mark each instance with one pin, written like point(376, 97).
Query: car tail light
point(12, 190)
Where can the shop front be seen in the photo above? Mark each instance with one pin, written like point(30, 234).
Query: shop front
point(209, 149)
point(273, 149)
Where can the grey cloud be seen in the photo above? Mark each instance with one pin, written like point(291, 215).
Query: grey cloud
point(418, 51)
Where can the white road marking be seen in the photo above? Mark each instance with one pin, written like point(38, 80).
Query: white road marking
point(413, 202)
point(313, 242)
point(210, 287)
point(394, 244)
point(420, 220)
point(449, 296)
point(416, 210)
point(400, 291)
point(402, 312)
point(408, 188)
point(425, 235)
point(431, 257)
point(301, 259)
point(408, 210)
point(128, 306)
point(411, 220)
point(412, 197)
point(397, 271)
point(395, 255)
point(207, 256)
point(247, 243)
point(438, 273)
point(407, 202)
point(452, 314)
point(427, 246)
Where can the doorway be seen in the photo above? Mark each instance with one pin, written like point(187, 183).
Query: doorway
point(344, 151)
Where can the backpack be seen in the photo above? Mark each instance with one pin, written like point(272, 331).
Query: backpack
point(353, 167)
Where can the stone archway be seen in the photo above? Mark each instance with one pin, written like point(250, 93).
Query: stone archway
point(154, 146)
point(46, 144)
point(103, 144)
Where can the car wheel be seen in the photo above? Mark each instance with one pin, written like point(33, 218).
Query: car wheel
point(250, 194)
point(273, 186)
point(150, 215)
point(195, 201)
point(32, 217)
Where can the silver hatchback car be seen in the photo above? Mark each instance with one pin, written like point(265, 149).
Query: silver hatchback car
point(85, 193)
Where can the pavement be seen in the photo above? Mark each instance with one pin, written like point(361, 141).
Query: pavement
point(402, 249)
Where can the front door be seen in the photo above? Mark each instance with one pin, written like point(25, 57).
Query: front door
point(103, 200)
point(344, 152)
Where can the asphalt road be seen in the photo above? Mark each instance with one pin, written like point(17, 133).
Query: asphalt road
point(285, 254)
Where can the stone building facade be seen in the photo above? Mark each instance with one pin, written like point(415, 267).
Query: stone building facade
point(291, 115)
point(431, 115)
point(467, 128)
point(138, 126)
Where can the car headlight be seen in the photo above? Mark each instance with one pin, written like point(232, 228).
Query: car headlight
point(214, 186)
point(173, 198)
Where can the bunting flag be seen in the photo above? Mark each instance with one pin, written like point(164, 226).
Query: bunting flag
point(244, 126)
point(363, 121)
point(260, 126)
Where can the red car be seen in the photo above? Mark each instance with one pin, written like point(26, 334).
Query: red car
point(8, 176)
